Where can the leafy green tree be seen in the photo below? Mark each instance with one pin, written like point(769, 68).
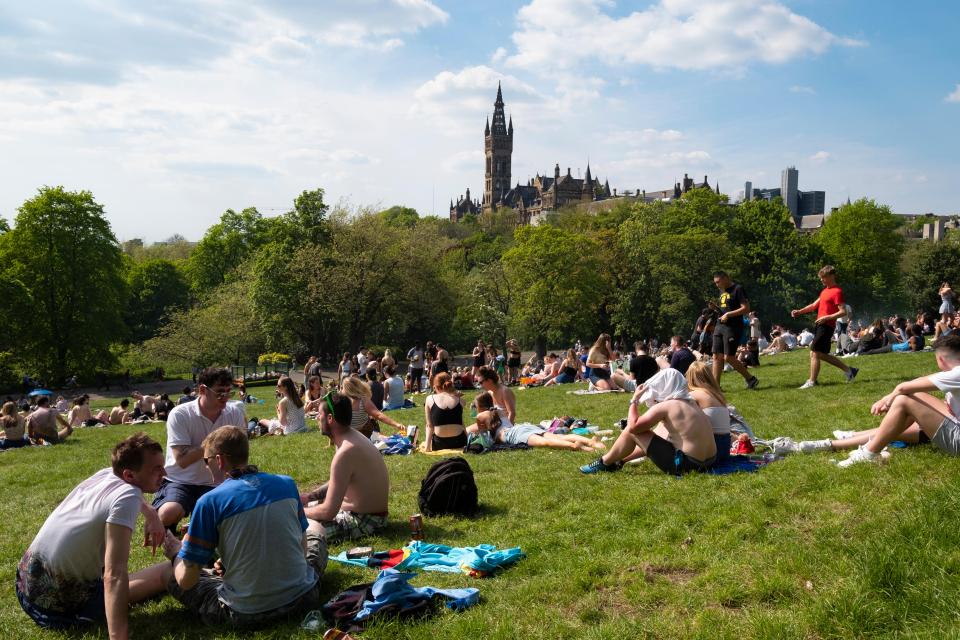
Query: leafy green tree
point(397, 216)
point(863, 242)
point(157, 289)
point(926, 266)
point(64, 253)
point(777, 264)
point(486, 304)
point(4, 226)
point(221, 330)
point(557, 285)
point(224, 247)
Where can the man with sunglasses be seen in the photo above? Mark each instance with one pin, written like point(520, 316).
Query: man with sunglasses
point(353, 503)
point(187, 478)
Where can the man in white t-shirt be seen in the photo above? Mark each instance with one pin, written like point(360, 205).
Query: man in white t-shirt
point(909, 403)
point(805, 338)
point(789, 338)
point(187, 477)
point(362, 362)
point(75, 570)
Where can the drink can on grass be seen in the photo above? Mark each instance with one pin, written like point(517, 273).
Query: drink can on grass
point(416, 527)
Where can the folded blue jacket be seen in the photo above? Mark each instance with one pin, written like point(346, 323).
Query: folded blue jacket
point(393, 588)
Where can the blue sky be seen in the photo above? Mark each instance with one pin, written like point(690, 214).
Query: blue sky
point(172, 112)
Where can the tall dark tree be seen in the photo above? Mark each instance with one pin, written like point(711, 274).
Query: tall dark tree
point(157, 289)
point(64, 253)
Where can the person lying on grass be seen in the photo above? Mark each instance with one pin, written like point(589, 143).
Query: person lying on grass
point(270, 561)
point(684, 440)
point(353, 503)
point(910, 413)
point(75, 571)
point(493, 419)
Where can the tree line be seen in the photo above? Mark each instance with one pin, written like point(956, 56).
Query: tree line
point(322, 280)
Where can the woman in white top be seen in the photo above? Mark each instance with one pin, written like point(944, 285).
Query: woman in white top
point(706, 392)
point(364, 411)
point(290, 415)
point(345, 368)
point(392, 389)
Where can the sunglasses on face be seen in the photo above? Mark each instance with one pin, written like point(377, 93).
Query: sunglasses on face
point(222, 394)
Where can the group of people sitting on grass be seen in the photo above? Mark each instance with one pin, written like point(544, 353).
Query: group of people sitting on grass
point(245, 523)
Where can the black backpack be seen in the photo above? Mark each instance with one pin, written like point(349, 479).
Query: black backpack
point(448, 488)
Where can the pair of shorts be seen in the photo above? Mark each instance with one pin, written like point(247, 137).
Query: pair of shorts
point(348, 525)
point(822, 335)
point(630, 385)
point(453, 442)
point(185, 495)
point(513, 363)
point(727, 338)
point(73, 605)
point(478, 362)
point(204, 598)
point(564, 379)
point(671, 460)
point(947, 307)
point(519, 434)
point(947, 437)
point(13, 443)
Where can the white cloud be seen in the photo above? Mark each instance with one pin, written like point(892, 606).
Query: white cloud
point(464, 161)
point(820, 157)
point(498, 55)
point(797, 88)
point(955, 96)
point(644, 136)
point(679, 34)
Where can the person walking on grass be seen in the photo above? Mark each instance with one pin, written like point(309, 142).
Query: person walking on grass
point(829, 307)
point(728, 335)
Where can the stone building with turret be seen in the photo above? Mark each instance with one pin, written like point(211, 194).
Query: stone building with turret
point(540, 194)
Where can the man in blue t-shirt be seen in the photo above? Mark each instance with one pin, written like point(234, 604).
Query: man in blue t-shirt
point(269, 566)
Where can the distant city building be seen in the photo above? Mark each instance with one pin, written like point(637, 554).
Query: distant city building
point(807, 208)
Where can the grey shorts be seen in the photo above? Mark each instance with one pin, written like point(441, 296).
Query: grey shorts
point(947, 437)
point(204, 598)
point(630, 385)
point(520, 433)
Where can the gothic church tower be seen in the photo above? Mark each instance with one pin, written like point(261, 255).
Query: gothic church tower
point(498, 146)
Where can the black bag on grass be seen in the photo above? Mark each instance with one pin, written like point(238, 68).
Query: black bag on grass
point(448, 488)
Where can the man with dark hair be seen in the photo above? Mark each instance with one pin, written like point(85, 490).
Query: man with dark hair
point(830, 307)
point(187, 425)
point(680, 356)
point(270, 564)
point(910, 403)
point(185, 396)
point(75, 570)
point(415, 358)
point(353, 503)
point(728, 335)
point(119, 414)
point(42, 423)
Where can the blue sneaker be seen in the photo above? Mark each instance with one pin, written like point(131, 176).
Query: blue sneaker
point(598, 466)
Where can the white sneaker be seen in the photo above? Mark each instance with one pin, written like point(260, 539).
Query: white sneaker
point(860, 454)
point(783, 445)
point(728, 367)
point(840, 434)
point(810, 446)
point(850, 355)
point(809, 384)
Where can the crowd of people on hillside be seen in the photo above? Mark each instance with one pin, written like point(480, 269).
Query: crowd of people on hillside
point(242, 519)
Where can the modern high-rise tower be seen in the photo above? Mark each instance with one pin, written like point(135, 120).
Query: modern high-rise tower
point(789, 178)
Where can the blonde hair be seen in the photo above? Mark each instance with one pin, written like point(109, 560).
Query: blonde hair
point(700, 377)
point(355, 388)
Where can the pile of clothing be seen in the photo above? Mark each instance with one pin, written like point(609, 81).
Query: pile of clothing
point(479, 561)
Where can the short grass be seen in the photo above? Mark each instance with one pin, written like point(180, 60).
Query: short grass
point(798, 550)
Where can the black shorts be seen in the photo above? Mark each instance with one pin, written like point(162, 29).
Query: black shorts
point(478, 361)
point(440, 366)
point(513, 363)
point(727, 338)
point(453, 442)
point(671, 460)
point(185, 495)
point(821, 338)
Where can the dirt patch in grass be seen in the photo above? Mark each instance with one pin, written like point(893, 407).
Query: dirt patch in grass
point(674, 575)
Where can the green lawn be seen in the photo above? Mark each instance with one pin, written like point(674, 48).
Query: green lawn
point(799, 550)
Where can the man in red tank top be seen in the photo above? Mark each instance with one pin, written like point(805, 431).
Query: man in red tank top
point(829, 307)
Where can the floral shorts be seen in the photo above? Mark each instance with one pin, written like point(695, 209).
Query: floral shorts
point(55, 601)
point(348, 525)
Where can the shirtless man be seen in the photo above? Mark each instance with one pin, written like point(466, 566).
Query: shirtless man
point(685, 441)
point(353, 503)
point(144, 405)
point(42, 423)
point(502, 395)
point(119, 414)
